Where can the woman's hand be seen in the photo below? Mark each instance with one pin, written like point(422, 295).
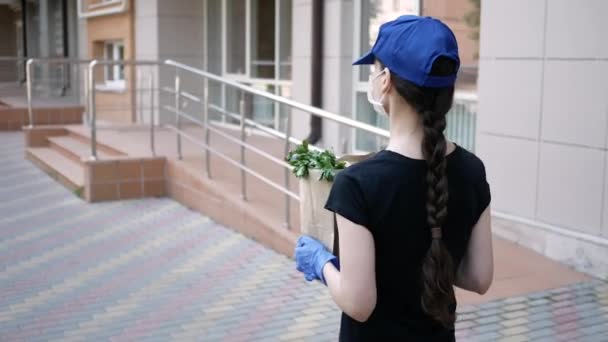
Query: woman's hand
point(311, 256)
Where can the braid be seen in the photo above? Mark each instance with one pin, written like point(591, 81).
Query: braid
point(434, 149)
point(437, 269)
point(437, 275)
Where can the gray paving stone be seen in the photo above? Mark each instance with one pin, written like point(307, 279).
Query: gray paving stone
point(543, 315)
point(595, 329)
point(538, 333)
point(480, 329)
point(600, 337)
point(551, 338)
point(540, 324)
point(539, 301)
point(490, 305)
point(488, 319)
point(488, 312)
point(466, 317)
point(486, 337)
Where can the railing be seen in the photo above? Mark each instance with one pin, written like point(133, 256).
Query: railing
point(461, 117)
point(460, 121)
point(242, 119)
point(92, 108)
point(65, 65)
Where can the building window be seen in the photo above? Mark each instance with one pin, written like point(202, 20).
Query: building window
point(258, 38)
point(114, 73)
point(249, 41)
point(235, 36)
point(262, 38)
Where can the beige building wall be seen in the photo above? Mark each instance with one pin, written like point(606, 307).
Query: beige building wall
point(542, 125)
point(113, 105)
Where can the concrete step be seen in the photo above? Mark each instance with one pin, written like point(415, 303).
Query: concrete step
point(65, 170)
point(74, 148)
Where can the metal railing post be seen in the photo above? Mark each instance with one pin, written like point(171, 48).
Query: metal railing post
point(152, 142)
point(29, 80)
point(87, 116)
point(287, 171)
point(243, 162)
point(64, 78)
point(93, 109)
point(177, 114)
point(140, 82)
point(206, 128)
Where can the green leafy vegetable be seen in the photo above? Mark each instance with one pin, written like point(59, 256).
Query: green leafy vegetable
point(303, 159)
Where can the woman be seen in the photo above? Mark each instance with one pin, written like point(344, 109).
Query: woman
point(414, 220)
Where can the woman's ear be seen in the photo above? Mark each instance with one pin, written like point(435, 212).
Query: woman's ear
point(386, 87)
point(387, 83)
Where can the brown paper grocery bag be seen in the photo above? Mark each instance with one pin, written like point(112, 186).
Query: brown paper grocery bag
point(315, 220)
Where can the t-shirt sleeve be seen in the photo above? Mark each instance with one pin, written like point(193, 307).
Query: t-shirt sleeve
point(346, 199)
point(482, 189)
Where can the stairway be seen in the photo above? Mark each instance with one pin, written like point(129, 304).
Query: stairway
point(61, 156)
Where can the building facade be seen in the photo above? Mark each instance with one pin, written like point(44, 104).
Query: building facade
point(267, 44)
point(542, 125)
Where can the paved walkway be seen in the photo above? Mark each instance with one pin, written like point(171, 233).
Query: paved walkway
point(154, 270)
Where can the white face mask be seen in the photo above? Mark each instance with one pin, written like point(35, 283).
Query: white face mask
point(377, 104)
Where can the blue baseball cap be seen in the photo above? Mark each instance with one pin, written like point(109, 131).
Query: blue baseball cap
point(409, 45)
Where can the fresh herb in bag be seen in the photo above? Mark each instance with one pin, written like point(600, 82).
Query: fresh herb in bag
point(303, 159)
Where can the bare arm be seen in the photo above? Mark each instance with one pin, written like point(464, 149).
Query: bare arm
point(353, 288)
point(476, 269)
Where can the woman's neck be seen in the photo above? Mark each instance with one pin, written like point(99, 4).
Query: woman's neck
point(406, 133)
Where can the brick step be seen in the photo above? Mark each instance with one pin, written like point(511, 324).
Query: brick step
point(83, 136)
point(65, 170)
point(74, 148)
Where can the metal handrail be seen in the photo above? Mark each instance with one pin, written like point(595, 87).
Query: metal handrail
point(91, 87)
point(235, 163)
point(229, 137)
point(260, 127)
point(184, 93)
point(306, 108)
point(242, 119)
point(28, 75)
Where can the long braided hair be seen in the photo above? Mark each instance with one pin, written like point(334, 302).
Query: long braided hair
point(437, 276)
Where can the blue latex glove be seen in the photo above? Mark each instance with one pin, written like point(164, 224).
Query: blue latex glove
point(311, 257)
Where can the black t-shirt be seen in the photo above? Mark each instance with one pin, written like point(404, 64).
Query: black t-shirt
point(387, 195)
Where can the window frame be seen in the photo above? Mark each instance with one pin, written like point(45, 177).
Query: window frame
point(276, 62)
point(117, 80)
point(103, 3)
point(278, 82)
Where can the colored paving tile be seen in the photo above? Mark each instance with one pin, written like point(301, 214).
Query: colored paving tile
point(153, 269)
